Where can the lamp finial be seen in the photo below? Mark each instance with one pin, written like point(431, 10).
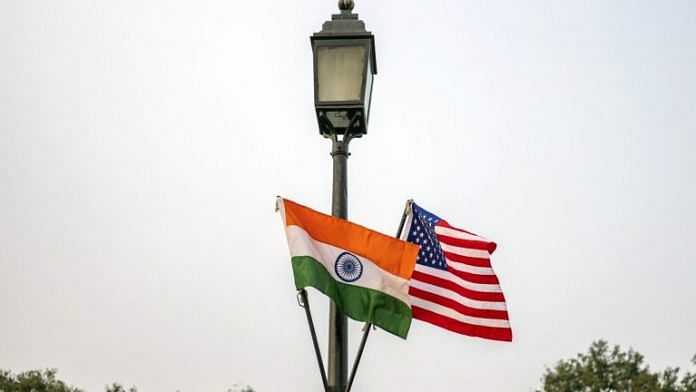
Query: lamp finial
point(345, 5)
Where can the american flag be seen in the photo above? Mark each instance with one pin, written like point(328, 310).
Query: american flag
point(453, 285)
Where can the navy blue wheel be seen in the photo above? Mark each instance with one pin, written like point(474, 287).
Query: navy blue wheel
point(348, 267)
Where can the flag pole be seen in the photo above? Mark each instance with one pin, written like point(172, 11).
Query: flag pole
point(368, 326)
point(407, 209)
point(303, 302)
point(366, 333)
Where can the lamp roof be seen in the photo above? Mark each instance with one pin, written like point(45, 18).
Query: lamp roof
point(346, 24)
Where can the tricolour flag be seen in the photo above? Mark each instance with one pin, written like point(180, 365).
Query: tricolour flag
point(453, 285)
point(364, 272)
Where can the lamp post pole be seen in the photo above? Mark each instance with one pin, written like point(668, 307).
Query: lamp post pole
point(338, 322)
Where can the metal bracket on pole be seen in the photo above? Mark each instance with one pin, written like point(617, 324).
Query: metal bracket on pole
point(348, 135)
point(304, 303)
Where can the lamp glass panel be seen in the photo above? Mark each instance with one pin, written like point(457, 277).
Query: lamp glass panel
point(368, 90)
point(338, 118)
point(340, 73)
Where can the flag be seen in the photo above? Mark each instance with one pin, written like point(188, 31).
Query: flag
point(453, 285)
point(364, 272)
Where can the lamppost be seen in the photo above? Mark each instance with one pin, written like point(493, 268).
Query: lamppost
point(344, 66)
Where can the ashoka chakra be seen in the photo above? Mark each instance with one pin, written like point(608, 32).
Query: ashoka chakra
point(348, 267)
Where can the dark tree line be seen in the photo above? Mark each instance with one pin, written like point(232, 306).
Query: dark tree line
point(46, 381)
point(601, 369)
point(611, 369)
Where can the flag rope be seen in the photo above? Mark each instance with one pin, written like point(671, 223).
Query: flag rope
point(368, 326)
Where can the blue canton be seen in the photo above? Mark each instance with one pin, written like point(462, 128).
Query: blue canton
point(422, 233)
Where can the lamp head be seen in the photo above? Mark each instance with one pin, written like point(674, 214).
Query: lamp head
point(344, 67)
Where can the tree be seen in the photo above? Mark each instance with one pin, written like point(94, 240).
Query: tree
point(116, 387)
point(605, 369)
point(33, 381)
point(241, 388)
point(46, 381)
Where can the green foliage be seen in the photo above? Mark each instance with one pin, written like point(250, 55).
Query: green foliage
point(115, 387)
point(33, 381)
point(241, 388)
point(45, 381)
point(605, 369)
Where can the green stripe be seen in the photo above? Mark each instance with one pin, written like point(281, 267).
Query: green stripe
point(358, 303)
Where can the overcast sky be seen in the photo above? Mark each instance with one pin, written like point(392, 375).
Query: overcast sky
point(142, 144)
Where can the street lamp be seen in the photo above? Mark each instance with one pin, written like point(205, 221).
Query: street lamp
point(344, 66)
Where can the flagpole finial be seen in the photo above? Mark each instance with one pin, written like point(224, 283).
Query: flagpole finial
point(345, 5)
point(407, 207)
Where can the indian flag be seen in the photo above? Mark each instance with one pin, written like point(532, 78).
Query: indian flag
point(364, 272)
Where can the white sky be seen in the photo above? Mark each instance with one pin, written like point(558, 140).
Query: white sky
point(142, 144)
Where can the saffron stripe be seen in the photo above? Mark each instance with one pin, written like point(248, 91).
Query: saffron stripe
point(390, 254)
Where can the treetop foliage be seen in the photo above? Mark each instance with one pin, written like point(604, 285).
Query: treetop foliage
point(46, 381)
point(610, 369)
point(33, 381)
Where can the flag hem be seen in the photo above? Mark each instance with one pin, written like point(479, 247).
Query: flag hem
point(383, 310)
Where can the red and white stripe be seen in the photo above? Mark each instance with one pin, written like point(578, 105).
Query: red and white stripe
point(466, 298)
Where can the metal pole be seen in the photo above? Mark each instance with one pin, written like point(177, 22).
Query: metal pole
point(338, 322)
point(368, 326)
point(366, 333)
point(302, 300)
